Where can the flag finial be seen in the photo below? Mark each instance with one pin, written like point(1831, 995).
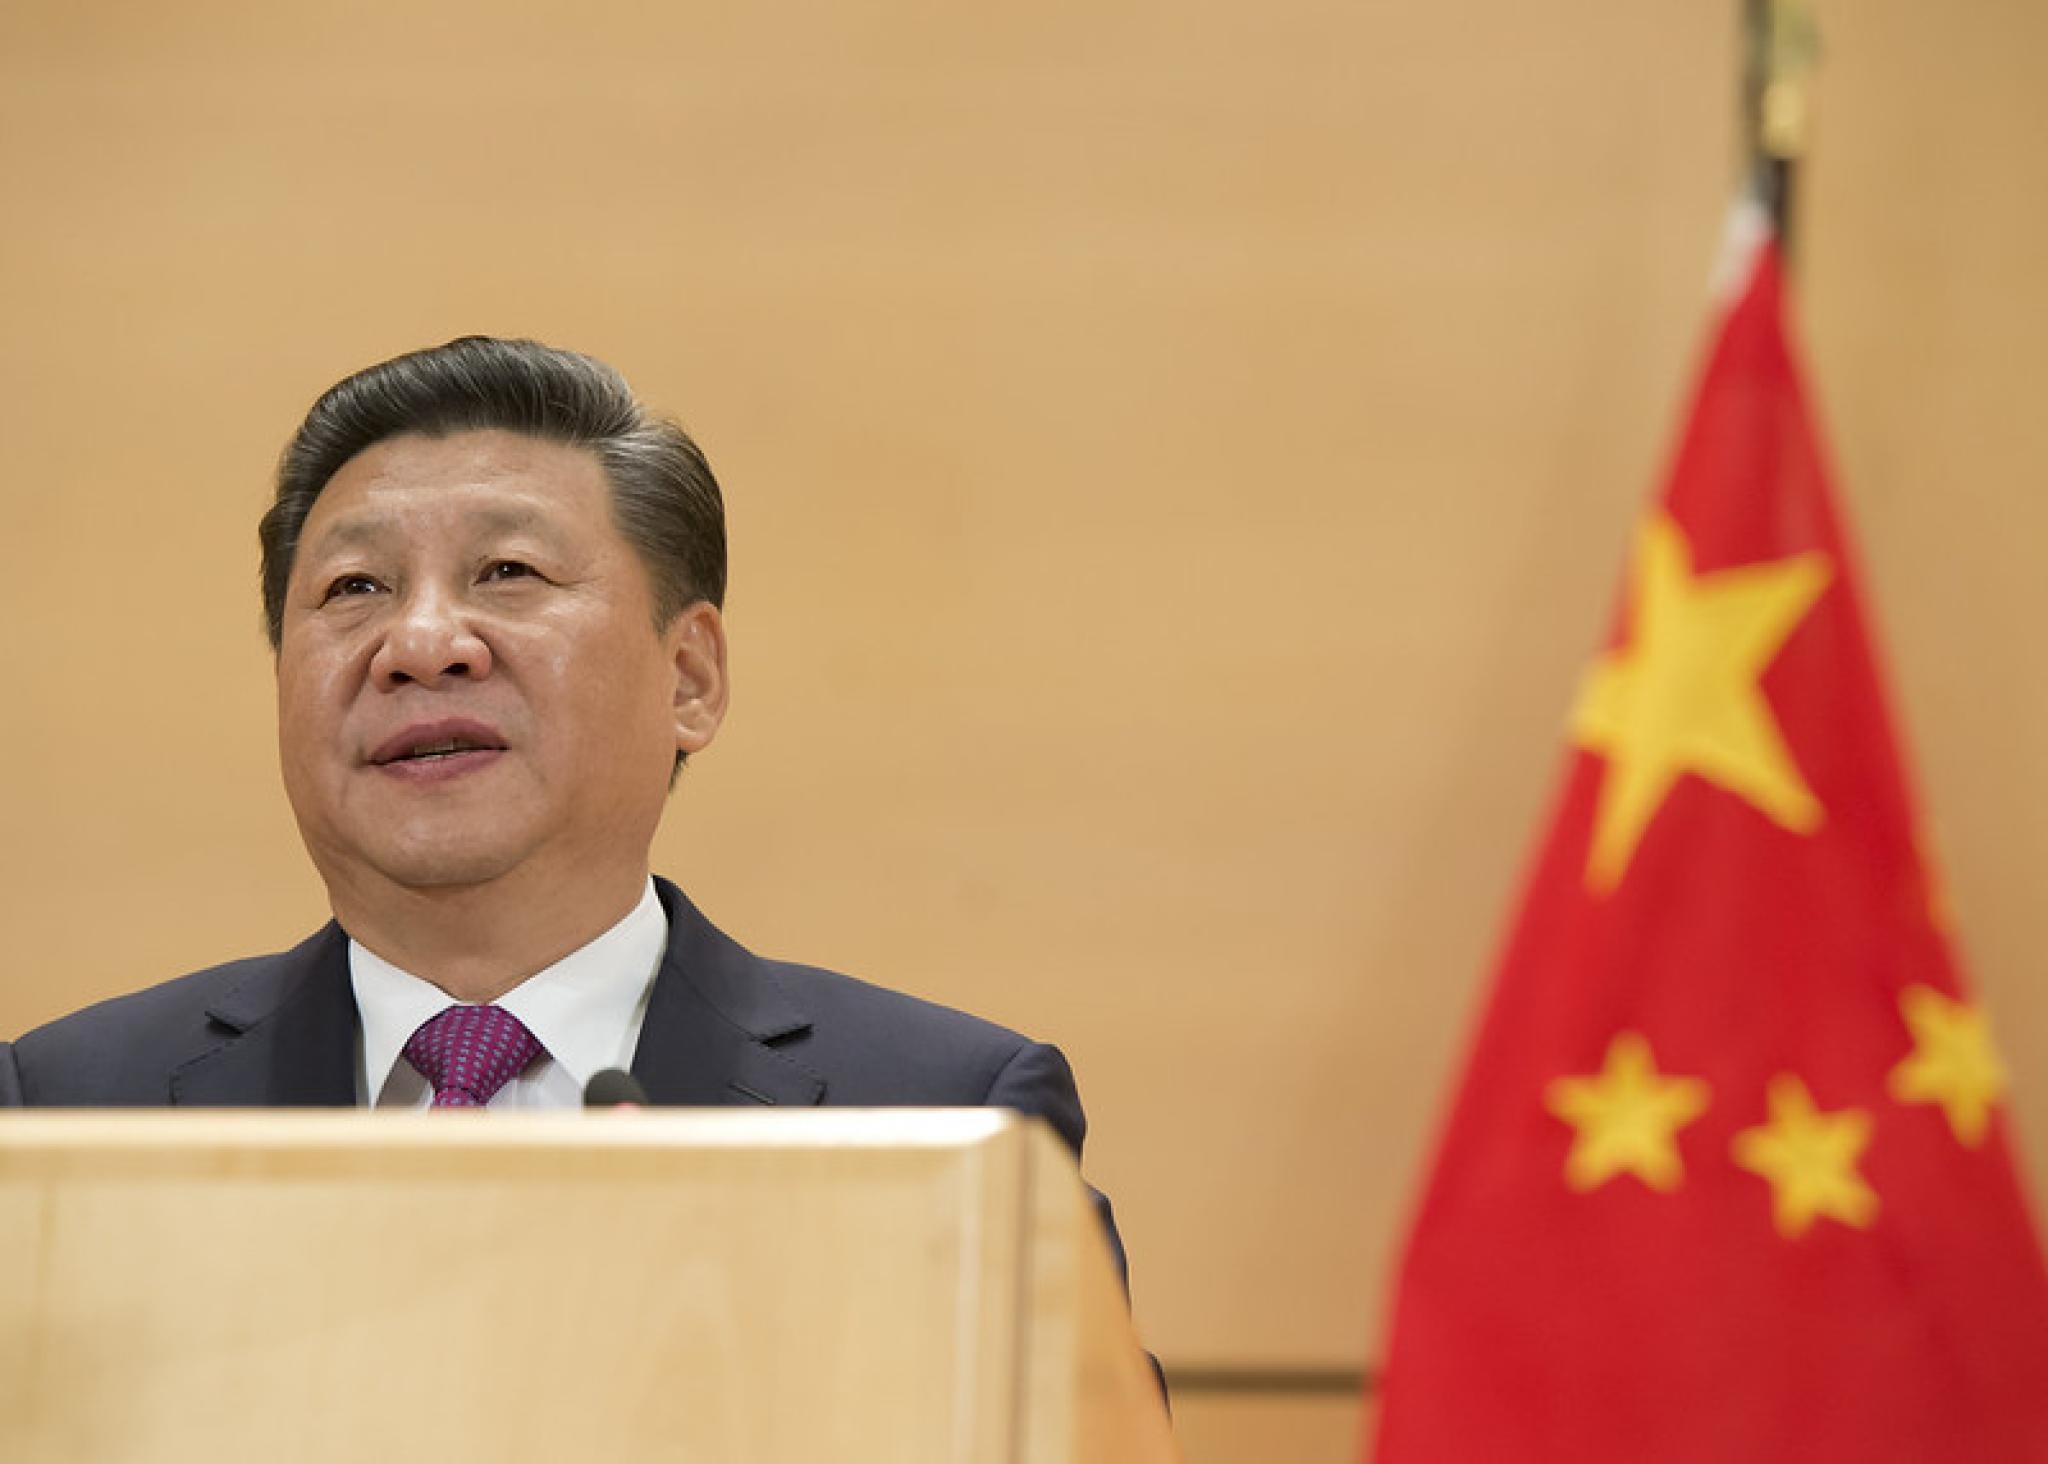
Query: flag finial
point(1781, 48)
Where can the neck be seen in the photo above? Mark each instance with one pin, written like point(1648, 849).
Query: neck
point(477, 942)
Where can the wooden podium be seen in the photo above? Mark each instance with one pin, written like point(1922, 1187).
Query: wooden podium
point(731, 1287)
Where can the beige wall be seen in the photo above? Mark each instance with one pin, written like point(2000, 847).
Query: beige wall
point(1179, 458)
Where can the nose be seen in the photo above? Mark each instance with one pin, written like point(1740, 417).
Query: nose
point(429, 640)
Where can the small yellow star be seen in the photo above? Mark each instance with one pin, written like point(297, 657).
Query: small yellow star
point(1682, 696)
point(1627, 1118)
point(1952, 1063)
point(1809, 1157)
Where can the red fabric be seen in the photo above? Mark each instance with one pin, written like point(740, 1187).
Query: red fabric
point(1539, 1323)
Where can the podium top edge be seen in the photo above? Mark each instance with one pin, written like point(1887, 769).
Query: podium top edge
point(27, 1131)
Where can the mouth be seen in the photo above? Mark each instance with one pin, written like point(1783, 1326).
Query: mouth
point(440, 743)
point(449, 748)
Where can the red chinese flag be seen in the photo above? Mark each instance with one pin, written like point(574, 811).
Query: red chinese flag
point(1728, 1178)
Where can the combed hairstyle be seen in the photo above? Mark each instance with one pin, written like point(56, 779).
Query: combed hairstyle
point(664, 499)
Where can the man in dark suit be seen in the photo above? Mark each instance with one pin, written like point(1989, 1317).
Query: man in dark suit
point(492, 581)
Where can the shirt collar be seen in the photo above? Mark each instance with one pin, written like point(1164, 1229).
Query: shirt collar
point(586, 1009)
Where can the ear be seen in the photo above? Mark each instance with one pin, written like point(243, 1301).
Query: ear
point(696, 646)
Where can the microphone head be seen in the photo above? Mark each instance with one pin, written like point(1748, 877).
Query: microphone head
point(614, 1088)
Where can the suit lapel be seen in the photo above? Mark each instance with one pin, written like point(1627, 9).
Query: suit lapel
point(288, 1035)
point(288, 1031)
point(713, 1022)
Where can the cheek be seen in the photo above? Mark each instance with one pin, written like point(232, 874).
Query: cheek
point(307, 709)
point(621, 713)
point(595, 677)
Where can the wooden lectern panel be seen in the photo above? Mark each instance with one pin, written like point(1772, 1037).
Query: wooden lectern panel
point(890, 1285)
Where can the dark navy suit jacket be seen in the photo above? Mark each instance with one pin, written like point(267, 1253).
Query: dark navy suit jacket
point(723, 1027)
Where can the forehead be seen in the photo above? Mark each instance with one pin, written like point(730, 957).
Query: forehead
point(475, 481)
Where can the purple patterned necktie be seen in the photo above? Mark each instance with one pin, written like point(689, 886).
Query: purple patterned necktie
point(469, 1052)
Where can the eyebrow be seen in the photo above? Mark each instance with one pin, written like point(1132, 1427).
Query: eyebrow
point(369, 529)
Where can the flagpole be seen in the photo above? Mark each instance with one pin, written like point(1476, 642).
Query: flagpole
point(1780, 47)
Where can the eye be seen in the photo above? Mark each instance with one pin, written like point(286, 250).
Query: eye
point(508, 569)
point(349, 585)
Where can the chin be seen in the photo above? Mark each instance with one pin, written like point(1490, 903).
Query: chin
point(455, 869)
point(444, 875)
point(439, 863)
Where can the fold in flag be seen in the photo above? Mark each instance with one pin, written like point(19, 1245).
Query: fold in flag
point(1728, 1176)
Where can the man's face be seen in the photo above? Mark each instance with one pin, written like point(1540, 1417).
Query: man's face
point(470, 682)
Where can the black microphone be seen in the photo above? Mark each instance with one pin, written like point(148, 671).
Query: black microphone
point(614, 1088)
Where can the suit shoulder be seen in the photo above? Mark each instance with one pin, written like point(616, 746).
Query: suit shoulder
point(867, 1045)
point(888, 1047)
point(762, 995)
point(119, 1050)
point(167, 1001)
point(838, 997)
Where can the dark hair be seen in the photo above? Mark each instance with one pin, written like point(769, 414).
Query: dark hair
point(664, 499)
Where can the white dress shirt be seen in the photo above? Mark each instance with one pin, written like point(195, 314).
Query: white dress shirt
point(586, 1009)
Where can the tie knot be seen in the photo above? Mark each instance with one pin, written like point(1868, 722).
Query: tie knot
point(469, 1052)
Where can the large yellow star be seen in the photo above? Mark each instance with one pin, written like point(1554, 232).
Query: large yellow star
point(1952, 1063)
point(1810, 1159)
point(1627, 1118)
point(1682, 696)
